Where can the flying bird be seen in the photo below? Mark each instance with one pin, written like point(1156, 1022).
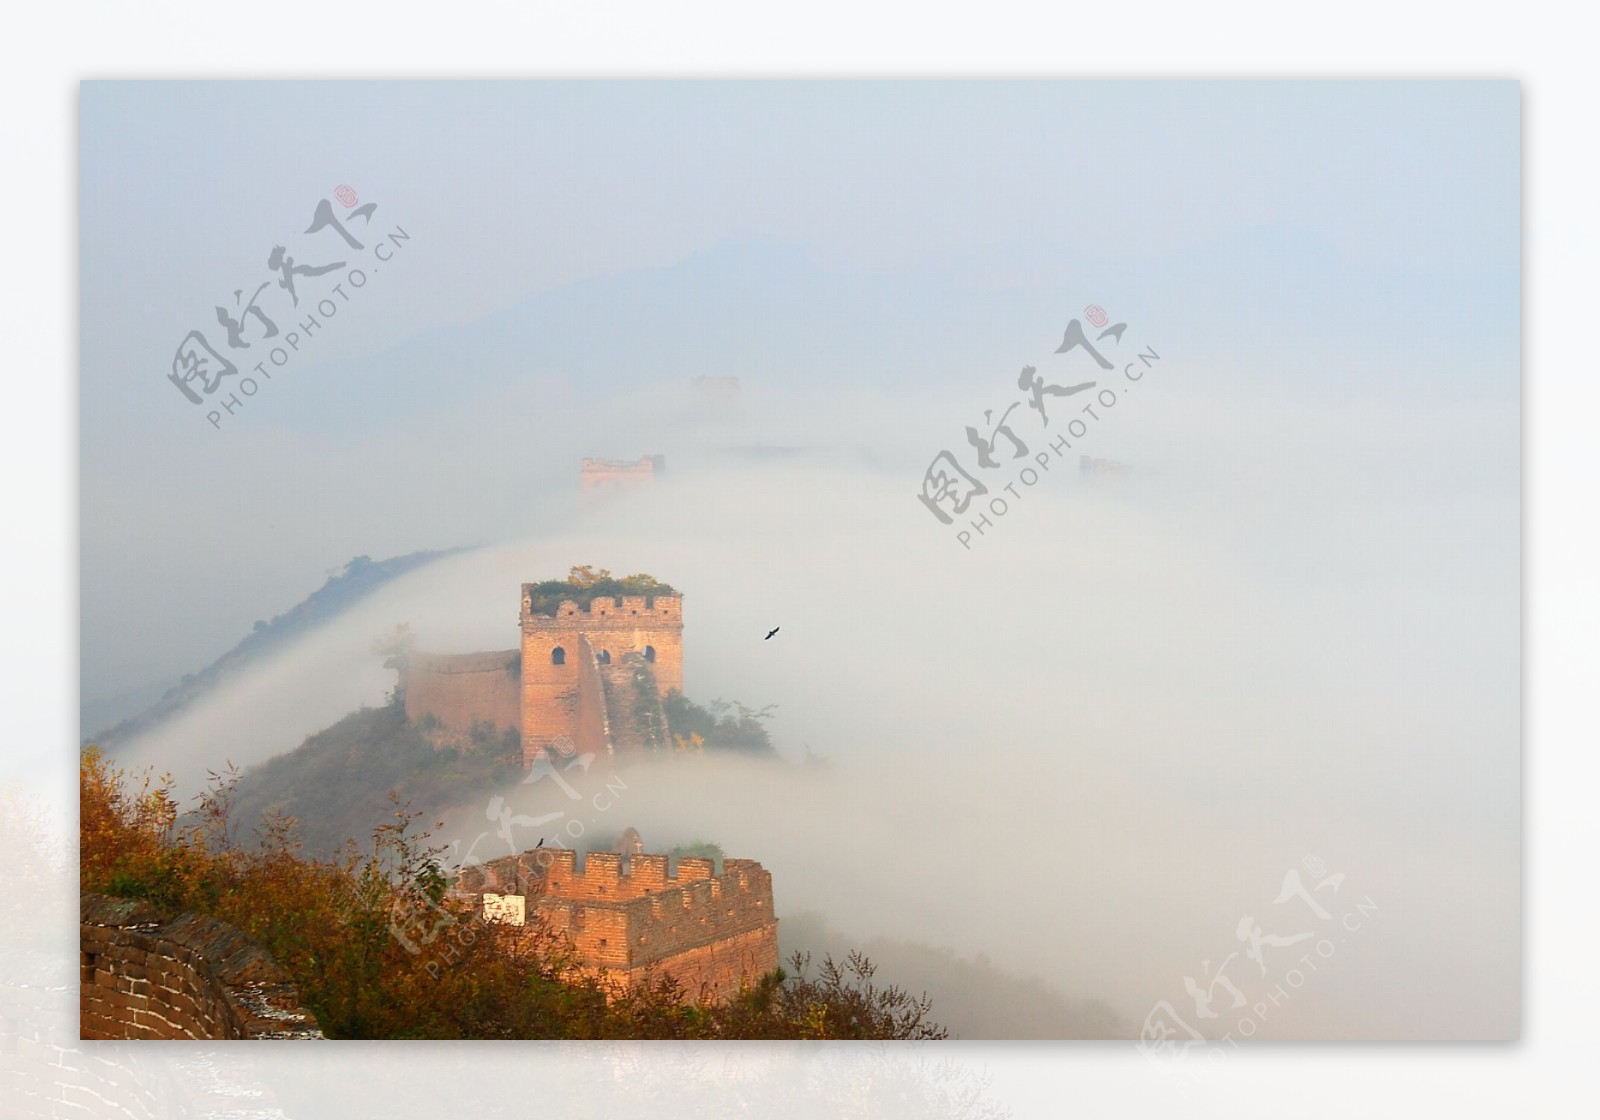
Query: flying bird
point(771, 632)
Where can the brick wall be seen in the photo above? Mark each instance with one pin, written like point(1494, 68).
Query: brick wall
point(549, 691)
point(717, 968)
point(552, 687)
point(625, 695)
point(460, 690)
point(141, 976)
point(591, 727)
point(567, 699)
point(630, 919)
point(603, 477)
point(628, 625)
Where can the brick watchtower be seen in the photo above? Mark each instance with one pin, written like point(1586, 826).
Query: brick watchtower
point(603, 478)
point(632, 917)
point(565, 647)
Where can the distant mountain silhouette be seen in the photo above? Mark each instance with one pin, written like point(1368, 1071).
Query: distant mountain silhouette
point(360, 578)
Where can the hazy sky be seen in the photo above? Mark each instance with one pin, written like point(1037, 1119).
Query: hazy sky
point(915, 236)
point(1125, 711)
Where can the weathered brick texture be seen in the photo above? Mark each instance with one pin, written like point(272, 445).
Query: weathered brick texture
point(462, 691)
point(564, 696)
point(637, 718)
point(573, 678)
point(630, 918)
point(141, 976)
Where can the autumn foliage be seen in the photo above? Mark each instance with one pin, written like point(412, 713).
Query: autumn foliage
point(377, 949)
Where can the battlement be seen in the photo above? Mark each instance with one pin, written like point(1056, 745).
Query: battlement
point(648, 610)
point(648, 464)
point(556, 873)
point(601, 478)
point(630, 917)
point(576, 634)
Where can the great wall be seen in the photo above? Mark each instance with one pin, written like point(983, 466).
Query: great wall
point(592, 673)
point(143, 976)
point(589, 677)
point(603, 478)
point(632, 915)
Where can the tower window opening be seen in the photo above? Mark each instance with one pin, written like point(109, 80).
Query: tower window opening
point(649, 653)
point(558, 656)
point(605, 657)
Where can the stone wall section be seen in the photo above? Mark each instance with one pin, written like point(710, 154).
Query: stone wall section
point(463, 690)
point(563, 655)
point(142, 976)
point(632, 918)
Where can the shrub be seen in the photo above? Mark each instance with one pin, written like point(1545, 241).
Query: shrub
point(377, 949)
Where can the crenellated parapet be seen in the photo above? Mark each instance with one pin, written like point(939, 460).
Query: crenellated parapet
point(600, 876)
point(639, 915)
point(603, 610)
point(566, 685)
point(561, 681)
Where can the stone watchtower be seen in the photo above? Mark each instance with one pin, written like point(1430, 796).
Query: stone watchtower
point(634, 916)
point(568, 649)
point(604, 478)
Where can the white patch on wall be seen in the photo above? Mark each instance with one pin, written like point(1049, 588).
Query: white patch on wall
point(509, 908)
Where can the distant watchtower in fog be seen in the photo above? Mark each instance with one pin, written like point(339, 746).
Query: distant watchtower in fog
point(604, 478)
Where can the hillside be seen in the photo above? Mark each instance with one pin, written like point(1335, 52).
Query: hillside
point(342, 930)
point(337, 782)
point(360, 578)
point(977, 998)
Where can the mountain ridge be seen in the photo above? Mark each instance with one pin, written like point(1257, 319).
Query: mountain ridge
point(359, 577)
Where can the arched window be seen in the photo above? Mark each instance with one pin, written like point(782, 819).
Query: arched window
point(605, 657)
point(649, 653)
point(558, 656)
